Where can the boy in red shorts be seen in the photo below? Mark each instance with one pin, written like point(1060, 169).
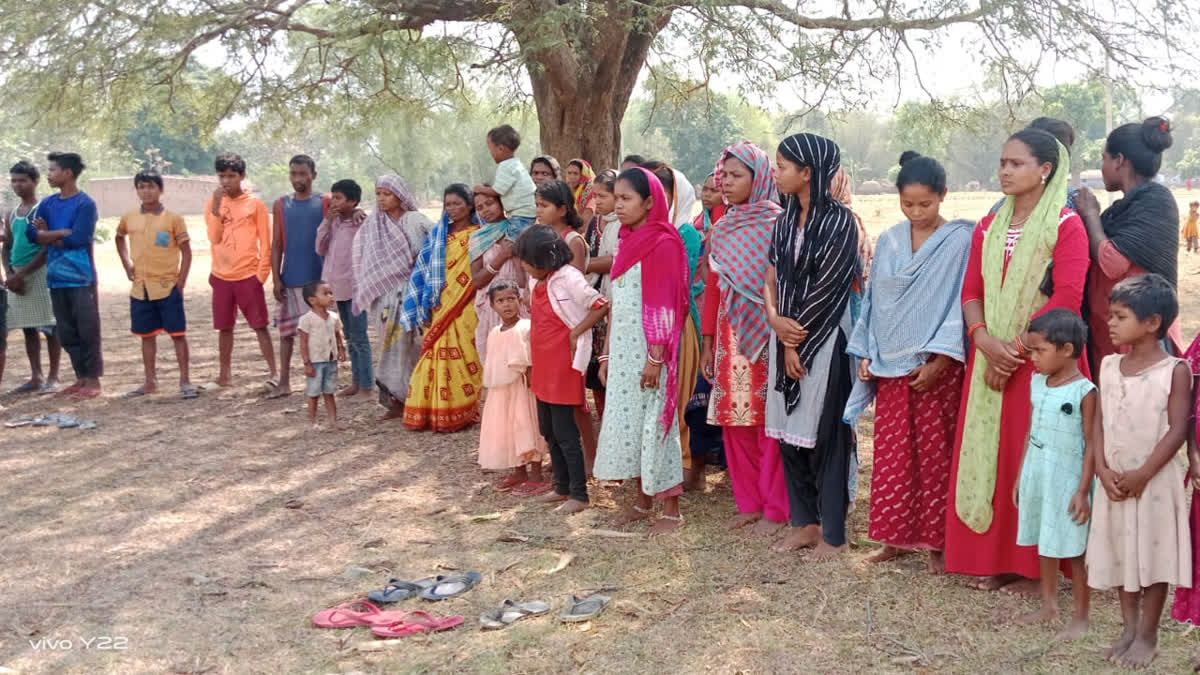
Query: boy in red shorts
point(240, 233)
point(157, 258)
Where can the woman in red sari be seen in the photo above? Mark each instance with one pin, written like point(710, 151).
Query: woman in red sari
point(1017, 254)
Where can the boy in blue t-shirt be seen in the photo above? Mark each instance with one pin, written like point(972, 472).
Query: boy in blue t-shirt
point(65, 224)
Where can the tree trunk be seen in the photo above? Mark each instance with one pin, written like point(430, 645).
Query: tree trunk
point(582, 85)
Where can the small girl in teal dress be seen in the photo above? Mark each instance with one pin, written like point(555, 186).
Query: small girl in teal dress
point(1053, 495)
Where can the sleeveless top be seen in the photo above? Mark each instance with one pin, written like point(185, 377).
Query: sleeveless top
point(301, 218)
point(23, 250)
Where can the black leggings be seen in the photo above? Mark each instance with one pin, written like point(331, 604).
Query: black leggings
point(557, 424)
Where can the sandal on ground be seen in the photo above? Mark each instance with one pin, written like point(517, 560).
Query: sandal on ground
point(70, 390)
point(348, 615)
point(136, 393)
point(507, 483)
point(27, 388)
point(584, 609)
point(83, 393)
point(188, 392)
point(49, 388)
point(397, 589)
point(416, 622)
point(510, 612)
point(531, 489)
point(452, 586)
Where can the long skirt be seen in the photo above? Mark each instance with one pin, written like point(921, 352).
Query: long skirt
point(689, 369)
point(398, 349)
point(914, 444)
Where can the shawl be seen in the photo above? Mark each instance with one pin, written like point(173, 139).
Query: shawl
point(585, 193)
point(490, 233)
point(384, 249)
point(912, 307)
point(1009, 299)
point(815, 260)
point(1144, 226)
point(428, 279)
point(657, 246)
point(685, 199)
point(739, 244)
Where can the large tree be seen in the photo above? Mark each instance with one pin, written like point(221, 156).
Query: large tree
point(581, 58)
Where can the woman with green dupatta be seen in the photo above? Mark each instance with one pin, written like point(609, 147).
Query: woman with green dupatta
point(1028, 258)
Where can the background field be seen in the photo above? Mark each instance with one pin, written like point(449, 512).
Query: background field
point(208, 532)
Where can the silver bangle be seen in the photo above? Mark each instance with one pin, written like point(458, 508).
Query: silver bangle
point(653, 361)
point(602, 358)
point(491, 269)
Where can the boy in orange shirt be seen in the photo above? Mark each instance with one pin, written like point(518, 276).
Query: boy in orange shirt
point(157, 258)
point(240, 234)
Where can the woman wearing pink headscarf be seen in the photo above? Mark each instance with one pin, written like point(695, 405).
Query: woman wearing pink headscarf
point(639, 438)
point(735, 331)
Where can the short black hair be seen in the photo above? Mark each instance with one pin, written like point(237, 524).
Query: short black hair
point(230, 161)
point(635, 159)
point(148, 176)
point(540, 247)
point(26, 168)
point(502, 285)
point(1147, 295)
point(304, 160)
point(919, 170)
point(348, 189)
point(310, 290)
point(506, 136)
point(1061, 327)
point(70, 161)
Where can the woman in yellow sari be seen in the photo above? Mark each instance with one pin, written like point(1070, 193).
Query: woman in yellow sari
point(443, 394)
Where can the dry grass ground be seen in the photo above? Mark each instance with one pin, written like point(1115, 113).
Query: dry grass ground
point(205, 534)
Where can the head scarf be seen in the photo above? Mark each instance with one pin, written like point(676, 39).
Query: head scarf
point(685, 199)
point(547, 159)
point(841, 191)
point(424, 292)
point(657, 246)
point(815, 260)
point(739, 246)
point(585, 192)
point(1010, 297)
point(383, 251)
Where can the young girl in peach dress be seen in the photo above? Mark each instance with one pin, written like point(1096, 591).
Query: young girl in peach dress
point(508, 435)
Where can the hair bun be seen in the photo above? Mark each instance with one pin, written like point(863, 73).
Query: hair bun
point(908, 155)
point(1156, 132)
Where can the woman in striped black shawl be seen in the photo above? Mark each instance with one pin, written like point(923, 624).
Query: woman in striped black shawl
point(813, 262)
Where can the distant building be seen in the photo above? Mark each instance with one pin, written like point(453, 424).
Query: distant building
point(185, 195)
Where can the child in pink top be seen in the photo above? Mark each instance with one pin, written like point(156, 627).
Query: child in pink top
point(508, 433)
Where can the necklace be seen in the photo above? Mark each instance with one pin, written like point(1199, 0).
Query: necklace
point(1016, 224)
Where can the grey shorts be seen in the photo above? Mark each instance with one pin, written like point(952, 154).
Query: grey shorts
point(325, 382)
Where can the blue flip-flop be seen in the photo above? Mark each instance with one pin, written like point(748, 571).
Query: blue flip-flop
point(452, 586)
point(397, 589)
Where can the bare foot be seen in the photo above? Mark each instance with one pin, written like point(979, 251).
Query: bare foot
point(663, 526)
point(394, 413)
point(1118, 648)
point(693, 480)
point(1021, 587)
point(347, 392)
point(552, 497)
point(765, 528)
point(1139, 654)
point(1073, 631)
point(993, 583)
point(888, 553)
point(628, 515)
point(1043, 614)
point(150, 388)
point(936, 563)
point(225, 381)
point(571, 506)
point(741, 520)
point(798, 538)
point(824, 552)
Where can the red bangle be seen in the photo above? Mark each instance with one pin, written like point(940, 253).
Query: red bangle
point(1022, 350)
point(973, 328)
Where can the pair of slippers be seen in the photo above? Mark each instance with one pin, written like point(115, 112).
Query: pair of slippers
point(429, 588)
point(186, 392)
point(383, 624)
point(577, 610)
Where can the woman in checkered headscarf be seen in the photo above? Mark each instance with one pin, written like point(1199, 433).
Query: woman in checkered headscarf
point(735, 331)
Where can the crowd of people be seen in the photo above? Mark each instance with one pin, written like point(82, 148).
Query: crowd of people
point(1005, 358)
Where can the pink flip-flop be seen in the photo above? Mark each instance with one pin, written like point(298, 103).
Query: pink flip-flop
point(351, 614)
point(416, 622)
